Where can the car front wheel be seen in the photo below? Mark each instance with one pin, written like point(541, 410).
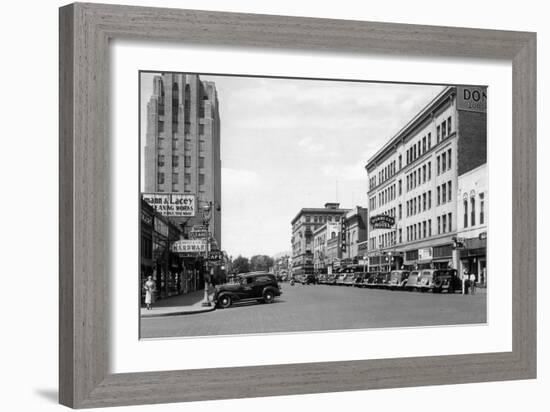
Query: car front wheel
point(269, 296)
point(224, 302)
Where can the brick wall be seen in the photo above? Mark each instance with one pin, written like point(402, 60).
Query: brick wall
point(472, 144)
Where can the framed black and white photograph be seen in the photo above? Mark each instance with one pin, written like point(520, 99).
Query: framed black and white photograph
point(303, 205)
point(375, 188)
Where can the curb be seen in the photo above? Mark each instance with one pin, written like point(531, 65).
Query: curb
point(180, 313)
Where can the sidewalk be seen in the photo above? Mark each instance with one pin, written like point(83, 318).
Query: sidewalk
point(187, 304)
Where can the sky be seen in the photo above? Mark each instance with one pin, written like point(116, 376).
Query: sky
point(287, 144)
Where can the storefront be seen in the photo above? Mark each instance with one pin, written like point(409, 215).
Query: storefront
point(436, 257)
point(473, 258)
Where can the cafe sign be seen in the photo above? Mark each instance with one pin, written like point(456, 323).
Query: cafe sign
point(382, 221)
point(189, 246)
point(172, 204)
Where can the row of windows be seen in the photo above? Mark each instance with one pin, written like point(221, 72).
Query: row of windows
point(444, 129)
point(387, 172)
point(419, 203)
point(419, 148)
point(444, 193)
point(444, 162)
point(387, 195)
point(472, 202)
point(175, 161)
point(386, 239)
point(176, 177)
point(419, 176)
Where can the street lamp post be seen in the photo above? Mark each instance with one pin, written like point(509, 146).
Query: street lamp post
point(206, 215)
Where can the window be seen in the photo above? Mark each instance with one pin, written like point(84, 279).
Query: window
point(424, 174)
point(449, 157)
point(444, 223)
point(201, 145)
point(175, 161)
point(201, 162)
point(449, 197)
point(201, 179)
point(443, 130)
point(430, 199)
point(408, 159)
point(429, 141)
point(187, 144)
point(449, 216)
point(438, 133)
point(438, 165)
point(449, 126)
point(414, 152)
point(424, 201)
point(481, 208)
point(161, 160)
point(400, 187)
point(438, 195)
point(175, 178)
point(187, 178)
point(430, 227)
point(444, 193)
point(400, 235)
point(465, 212)
point(201, 129)
point(443, 162)
point(419, 177)
point(161, 126)
point(473, 211)
point(429, 170)
point(438, 225)
point(187, 161)
point(160, 178)
point(424, 144)
point(399, 162)
point(400, 211)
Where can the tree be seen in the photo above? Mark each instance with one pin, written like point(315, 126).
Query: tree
point(240, 265)
point(260, 263)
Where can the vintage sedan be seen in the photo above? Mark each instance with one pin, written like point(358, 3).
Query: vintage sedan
point(398, 279)
point(412, 281)
point(349, 279)
point(358, 280)
point(382, 279)
point(369, 279)
point(438, 280)
point(259, 286)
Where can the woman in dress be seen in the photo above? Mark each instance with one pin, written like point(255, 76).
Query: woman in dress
point(149, 287)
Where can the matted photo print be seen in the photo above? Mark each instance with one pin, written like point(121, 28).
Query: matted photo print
point(278, 205)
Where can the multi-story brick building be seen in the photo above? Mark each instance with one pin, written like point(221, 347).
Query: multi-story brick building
point(356, 229)
point(303, 227)
point(414, 179)
point(182, 147)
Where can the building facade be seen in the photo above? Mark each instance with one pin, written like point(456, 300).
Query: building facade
point(356, 232)
point(182, 146)
point(472, 223)
point(414, 177)
point(304, 225)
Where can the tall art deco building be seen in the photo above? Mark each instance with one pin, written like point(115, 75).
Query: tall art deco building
point(182, 147)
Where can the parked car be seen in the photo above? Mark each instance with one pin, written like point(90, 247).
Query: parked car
point(260, 286)
point(369, 278)
point(340, 279)
point(412, 281)
point(359, 278)
point(321, 279)
point(438, 280)
point(398, 279)
point(382, 279)
point(309, 279)
point(349, 279)
point(331, 279)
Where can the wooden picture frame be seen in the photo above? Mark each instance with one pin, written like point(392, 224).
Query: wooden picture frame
point(85, 31)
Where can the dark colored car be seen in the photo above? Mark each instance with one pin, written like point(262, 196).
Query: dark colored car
point(359, 278)
point(331, 279)
point(438, 280)
point(398, 279)
point(260, 286)
point(382, 279)
point(309, 279)
point(369, 279)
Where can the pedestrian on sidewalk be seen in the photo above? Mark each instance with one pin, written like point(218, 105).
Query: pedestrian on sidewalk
point(150, 288)
point(472, 284)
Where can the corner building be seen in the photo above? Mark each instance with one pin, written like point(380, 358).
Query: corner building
point(304, 225)
point(182, 147)
point(414, 178)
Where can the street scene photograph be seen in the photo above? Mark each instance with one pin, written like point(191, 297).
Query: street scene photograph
point(279, 205)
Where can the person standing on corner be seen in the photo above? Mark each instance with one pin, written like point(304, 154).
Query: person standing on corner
point(150, 288)
point(472, 284)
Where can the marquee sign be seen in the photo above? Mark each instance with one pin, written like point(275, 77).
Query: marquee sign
point(382, 221)
point(189, 246)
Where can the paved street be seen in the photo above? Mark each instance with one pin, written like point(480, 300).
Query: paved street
point(322, 307)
